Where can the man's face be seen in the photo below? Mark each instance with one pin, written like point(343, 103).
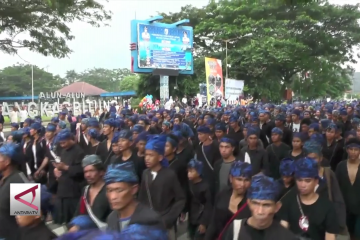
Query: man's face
point(141, 146)
point(203, 136)
point(233, 125)
point(252, 140)
point(4, 162)
point(92, 175)
point(107, 129)
point(296, 143)
point(115, 148)
point(226, 150)
point(152, 158)
point(169, 149)
point(123, 144)
point(49, 135)
point(330, 133)
point(306, 185)
point(262, 117)
point(263, 210)
point(353, 153)
point(240, 184)
point(120, 194)
point(65, 144)
point(294, 117)
point(275, 137)
point(219, 134)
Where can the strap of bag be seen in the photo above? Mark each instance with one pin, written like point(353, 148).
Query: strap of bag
point(328, 181)
point(333, 153)
point(284, 195)
point(237, 227)
point(148, 190)
point(101, 225)
point(231, 220)
point(206, 159)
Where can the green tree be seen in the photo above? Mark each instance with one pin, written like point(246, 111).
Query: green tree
point(315, 37)
point(70, 77)
point(107, 79)
point(46, 23)
point(129, 83)
point(16, 81)
point(313, 85)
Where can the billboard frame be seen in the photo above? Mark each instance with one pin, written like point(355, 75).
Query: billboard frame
point(135, 39)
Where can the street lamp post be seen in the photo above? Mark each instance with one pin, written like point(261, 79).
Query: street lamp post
point(32, 83)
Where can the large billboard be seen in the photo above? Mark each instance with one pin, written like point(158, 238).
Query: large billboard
point(162, 46)
point(214, 78)
point(233, 88)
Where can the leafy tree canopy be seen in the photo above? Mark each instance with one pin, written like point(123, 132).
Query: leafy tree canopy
point(107, 79)
point(42, 25)
point(287, 41)
point(16, 81)
point(129, 83)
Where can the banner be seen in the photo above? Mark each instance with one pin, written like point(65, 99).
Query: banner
point(233, 88)
point(214, 79)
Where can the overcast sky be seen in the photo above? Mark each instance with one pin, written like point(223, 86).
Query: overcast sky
point(106, 47)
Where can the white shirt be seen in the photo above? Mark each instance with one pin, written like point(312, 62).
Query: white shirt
point(145, 36)
point(167, 105)
point(14, 117)
point(28, 170)
point(296, 127)
point(23, 115)
point(184, 100)
point(2, 136)
point(34, 153)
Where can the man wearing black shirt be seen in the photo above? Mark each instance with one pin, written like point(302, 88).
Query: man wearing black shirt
point(70, 177)
point(258, 155)
point(235, 131)
point(305, 212)
point(263, 203)
point(9, 161)
point(349, 181)
point(127, 154)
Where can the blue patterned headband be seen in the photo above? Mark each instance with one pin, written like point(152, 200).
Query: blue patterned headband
point(197, 165)
point(287, 167)
point(306, 168)
point(227, 140)
point(241, 169)
point(124, 172)
point(263, 188)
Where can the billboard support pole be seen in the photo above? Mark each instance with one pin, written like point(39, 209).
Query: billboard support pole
point(164, 89)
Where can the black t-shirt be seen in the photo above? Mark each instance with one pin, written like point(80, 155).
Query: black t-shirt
point(321, 215)
point(254, 233)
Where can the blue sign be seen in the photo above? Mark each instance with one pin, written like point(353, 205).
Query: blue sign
point(162, 46)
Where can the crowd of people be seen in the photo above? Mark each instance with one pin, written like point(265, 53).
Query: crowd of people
point(259, 172)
